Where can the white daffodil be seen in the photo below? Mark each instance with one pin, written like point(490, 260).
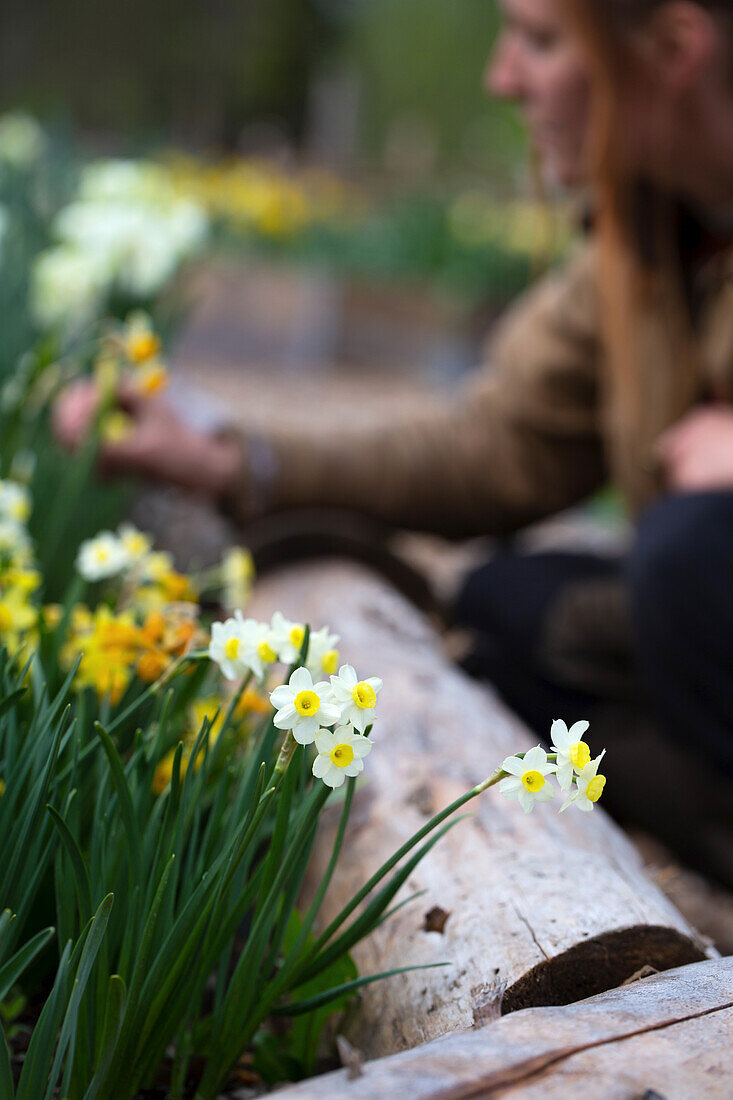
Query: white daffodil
point(572, 752)
point(101, 557)
point(15, 501)
point(356, 698)
point(14, 540)
point(340, 754)
point(526, 779)
point(303, 706)
point(589, 787)
point(136, 544)
point(323, 656)
point(287, 638)
point(236, 647)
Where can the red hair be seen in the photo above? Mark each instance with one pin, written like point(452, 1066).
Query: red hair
point(641, 270)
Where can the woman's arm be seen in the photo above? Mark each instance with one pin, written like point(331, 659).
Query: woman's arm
point(521, 440)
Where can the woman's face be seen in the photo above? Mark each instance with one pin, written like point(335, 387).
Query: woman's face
point(538, 63)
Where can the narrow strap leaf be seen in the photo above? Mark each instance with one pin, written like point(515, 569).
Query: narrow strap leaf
point(328, 995)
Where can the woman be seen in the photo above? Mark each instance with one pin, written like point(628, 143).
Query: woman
point(615, 368)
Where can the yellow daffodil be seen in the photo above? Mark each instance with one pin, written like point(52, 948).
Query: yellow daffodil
point(140, 341)
point(151, 379)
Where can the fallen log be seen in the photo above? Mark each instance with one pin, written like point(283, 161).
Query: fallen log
point(543, 909)
point(667, 1037)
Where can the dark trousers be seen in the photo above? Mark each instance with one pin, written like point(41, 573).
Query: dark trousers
point(643, 648)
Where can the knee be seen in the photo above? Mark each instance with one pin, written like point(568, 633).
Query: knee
point(676, 557)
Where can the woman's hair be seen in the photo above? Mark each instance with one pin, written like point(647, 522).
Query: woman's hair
point(642, 269)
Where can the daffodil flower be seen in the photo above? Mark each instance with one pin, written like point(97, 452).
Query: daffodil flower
point(15, 501)
point(572, 752)
point(239, 646)
point(286, 638)
point(340, 754)
point(356, 698)
point(134, 542)
point(303, 706)
point(526, 780)
point(589, 787)
point(323, 656)
point(101, 557)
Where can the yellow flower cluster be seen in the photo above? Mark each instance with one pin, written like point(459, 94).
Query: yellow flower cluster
point(254, 194)
point(155, 621)
point(19, 580)
point(130, 353)
point(116, 647)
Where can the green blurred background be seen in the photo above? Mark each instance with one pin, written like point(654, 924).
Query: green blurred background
point(393, 84)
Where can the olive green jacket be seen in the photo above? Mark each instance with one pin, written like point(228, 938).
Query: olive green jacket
point(535, 430)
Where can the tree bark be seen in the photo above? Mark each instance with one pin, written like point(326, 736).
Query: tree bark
point(667, 1037)
point(528, 910)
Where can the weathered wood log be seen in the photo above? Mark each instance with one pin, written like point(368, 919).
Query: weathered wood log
point(543, 909)
point(668, 1036)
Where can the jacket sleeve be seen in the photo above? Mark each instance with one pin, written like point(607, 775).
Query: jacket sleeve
point(520, 441)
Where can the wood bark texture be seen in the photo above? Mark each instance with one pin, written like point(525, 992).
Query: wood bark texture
point(667, 1037)
point(528, 910)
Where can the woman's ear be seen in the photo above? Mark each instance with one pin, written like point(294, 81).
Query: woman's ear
point(681, 41)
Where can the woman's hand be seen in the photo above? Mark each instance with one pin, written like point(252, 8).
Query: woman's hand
point(697, 453)
point(160, 446)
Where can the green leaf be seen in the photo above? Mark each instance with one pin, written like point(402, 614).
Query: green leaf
point(10, 700)
point(67, 1039)
point(37, 1063)
point(12, 970)
point(81, 874)
point(127, 812)
point(7, 1088)
point(344, 990)
point(114, 1012)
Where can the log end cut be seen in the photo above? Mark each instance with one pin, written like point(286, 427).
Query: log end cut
point(599, 964)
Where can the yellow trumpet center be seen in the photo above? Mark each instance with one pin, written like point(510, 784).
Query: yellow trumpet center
point(342, 756)
point(135, 544)
point(101, 554)
point(579, 755)
point(265, 652)
point(330, 662)
point(364, 695)
point(594, 790)
point(231, 649)
point(307, 703)
point(297, 634)
point(6, 619)
point(533, 781)
point(143, 346)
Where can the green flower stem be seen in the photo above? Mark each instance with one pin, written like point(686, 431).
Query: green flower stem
point(490, 781)
point(286, 754)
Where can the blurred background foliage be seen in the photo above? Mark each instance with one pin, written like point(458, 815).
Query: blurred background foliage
point(388, 83)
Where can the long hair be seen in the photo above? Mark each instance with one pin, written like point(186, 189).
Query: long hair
point(641, 267)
